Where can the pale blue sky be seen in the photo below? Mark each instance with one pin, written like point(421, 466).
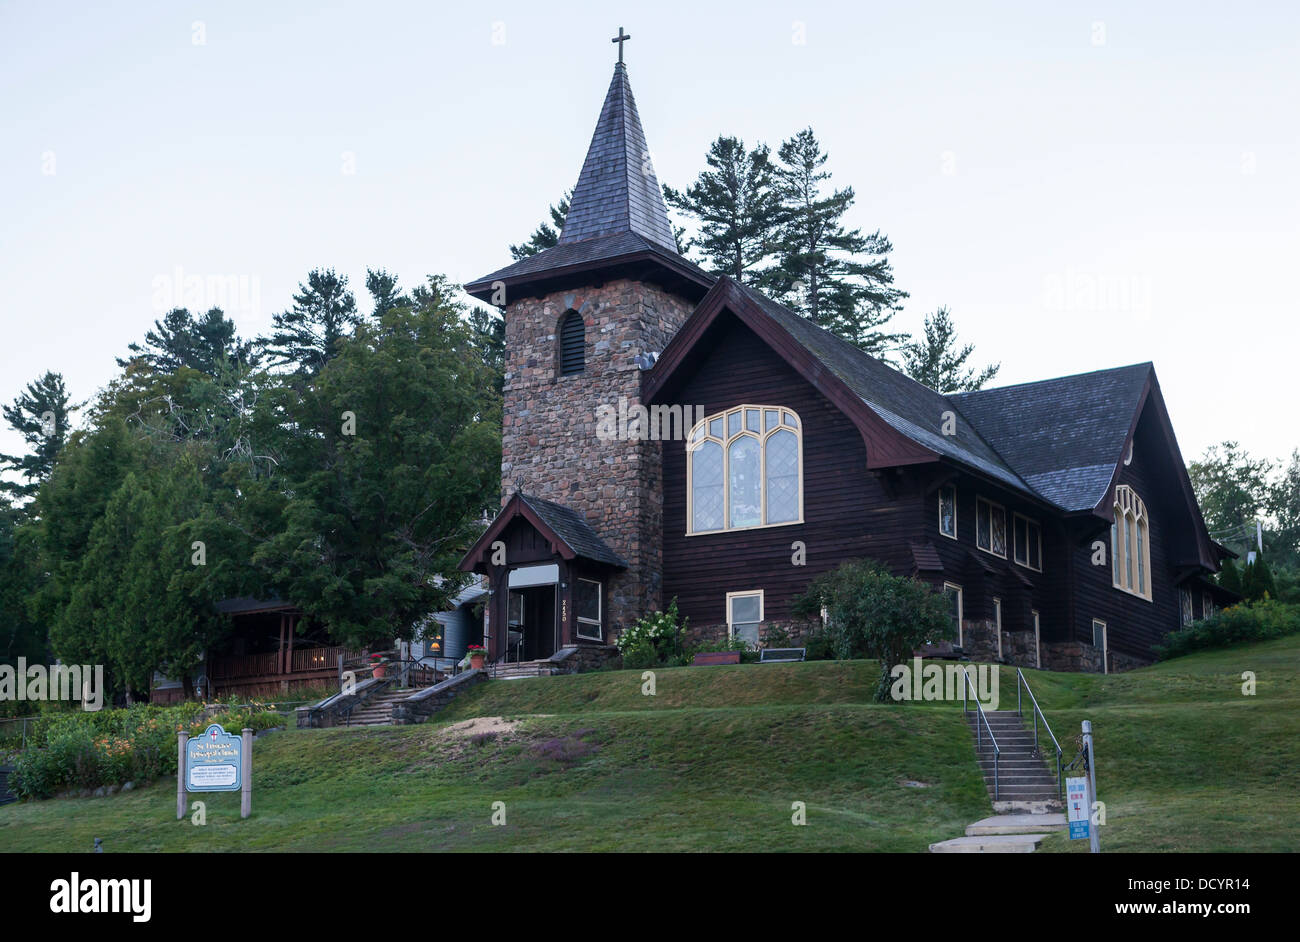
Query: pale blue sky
point(1084, 185)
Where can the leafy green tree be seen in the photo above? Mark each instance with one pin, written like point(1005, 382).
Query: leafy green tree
point(873, 614)
point(307, 336)
point(735, 206)
point(390, 456)
point(833, 275)
point(181, 340)
point(40, 415)
point(20, 635)
point(1233, 491)
point(547, 235)
point(1283, 542)
point(938, 361)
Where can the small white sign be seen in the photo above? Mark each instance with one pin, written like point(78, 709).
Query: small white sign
point(1076, 806)
point(213, 776)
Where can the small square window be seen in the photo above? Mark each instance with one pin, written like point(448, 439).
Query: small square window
point(744, 613)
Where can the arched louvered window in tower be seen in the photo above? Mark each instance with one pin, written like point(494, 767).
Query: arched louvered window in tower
point(573, 344)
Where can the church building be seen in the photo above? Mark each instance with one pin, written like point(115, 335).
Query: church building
point(1056, 516)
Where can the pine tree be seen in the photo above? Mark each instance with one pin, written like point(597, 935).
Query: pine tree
point(40, 415)
point(180, 340)
point(835, 276)
point(384, 292)
point(1257, 581)
point(307, 336)
point(1230, 577)
point(547, 235)
point(735, 206)
point(939, 362)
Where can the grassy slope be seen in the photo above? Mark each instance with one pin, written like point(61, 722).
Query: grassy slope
point(714, 760)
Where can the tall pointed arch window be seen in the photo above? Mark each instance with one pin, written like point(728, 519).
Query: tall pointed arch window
point(573, 344)
point(744, 469)
point(1130, 544)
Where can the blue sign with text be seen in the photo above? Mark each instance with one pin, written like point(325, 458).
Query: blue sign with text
point(213, 761)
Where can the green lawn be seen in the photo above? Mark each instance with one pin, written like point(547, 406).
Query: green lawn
point(715, 760)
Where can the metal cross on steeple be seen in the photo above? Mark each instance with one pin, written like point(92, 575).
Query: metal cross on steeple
point(620, 39)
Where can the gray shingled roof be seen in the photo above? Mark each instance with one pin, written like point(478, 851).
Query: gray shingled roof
point(1064, 435)
point(1057, 439)
point(912, 409)
point(573, 530)
point(589, 250)
point(617, 190)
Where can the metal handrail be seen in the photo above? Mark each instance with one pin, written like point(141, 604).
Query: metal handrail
point(1037, 715)
point(979, 740)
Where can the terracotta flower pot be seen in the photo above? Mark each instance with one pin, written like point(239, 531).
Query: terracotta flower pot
point(381, 670)
point(476, 660)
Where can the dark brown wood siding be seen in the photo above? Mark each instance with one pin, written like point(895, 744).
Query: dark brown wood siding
point(1134, 624)
point(984, 577)
point(848, 513)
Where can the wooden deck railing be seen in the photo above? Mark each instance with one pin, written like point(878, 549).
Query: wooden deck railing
point(228, 667)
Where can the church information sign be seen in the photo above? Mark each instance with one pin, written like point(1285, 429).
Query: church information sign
point(1076, 804)
point(213, 761)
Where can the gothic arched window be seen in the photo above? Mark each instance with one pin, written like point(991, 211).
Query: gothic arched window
point(744, 468)
point(573, 344)
point(1130, 544)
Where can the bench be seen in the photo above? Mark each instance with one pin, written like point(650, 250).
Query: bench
point(941, 650)
point(716, 657)
point(781, 654)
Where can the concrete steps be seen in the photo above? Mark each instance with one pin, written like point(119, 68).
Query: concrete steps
point(378, 710)
point(990, 844)
point(1024, 781)
point(1003, 834)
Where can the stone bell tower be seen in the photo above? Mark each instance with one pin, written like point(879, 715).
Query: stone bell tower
point(581, 319)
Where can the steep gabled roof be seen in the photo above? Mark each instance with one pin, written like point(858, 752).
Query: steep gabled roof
point(1064, 436)
point(568, 533)
point(913, 409)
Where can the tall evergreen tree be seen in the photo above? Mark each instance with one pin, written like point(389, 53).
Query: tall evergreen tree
point(180, 339)
point(835, 276)
point(307, 336)
point(938, 361)
point(384, 292)
point(547, 235)
point(40, 415)
point(735, 206)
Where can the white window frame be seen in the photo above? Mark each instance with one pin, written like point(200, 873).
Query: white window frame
point(1038, 640)
point(1105, 643)
point(939, 498)
point(744, 593)
point(961, 613)
point(1029, 522)
point(1125, 566)
point(579, 621)
point(695, 440)
point(1006, 533)
point(997, 622)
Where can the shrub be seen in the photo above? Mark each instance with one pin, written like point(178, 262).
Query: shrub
point(76, 749)
point(654, 640)
point(1248, 621)
point(873, 614)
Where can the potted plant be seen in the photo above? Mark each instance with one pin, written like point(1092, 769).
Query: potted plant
point(477, 654)
point(380, 665)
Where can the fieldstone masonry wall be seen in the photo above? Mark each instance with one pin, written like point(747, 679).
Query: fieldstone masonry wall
point(549, 442)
